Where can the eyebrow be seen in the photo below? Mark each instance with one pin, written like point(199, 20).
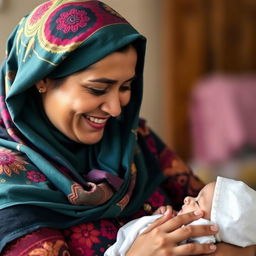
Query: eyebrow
point(104, 80)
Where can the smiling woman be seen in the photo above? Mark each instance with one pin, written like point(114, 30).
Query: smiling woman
point(77, 162)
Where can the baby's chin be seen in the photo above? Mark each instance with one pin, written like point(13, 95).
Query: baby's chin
point(183, 211)
point(180, 212)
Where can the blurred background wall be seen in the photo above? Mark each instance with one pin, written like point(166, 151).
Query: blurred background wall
point(200, 77)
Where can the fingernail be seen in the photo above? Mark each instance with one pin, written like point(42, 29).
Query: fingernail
point(214, 228)
point(212, 247)
point(198, 212)
point(166, 212)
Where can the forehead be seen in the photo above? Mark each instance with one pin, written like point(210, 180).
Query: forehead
point(207, 190)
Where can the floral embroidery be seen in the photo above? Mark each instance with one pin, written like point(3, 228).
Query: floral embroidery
point(166, 158)
point(72, 20)
point(177, 167)
point(78, 251)
point(86, 234)
point(59, 248)
point(74, 23)
point(11, 162)
point(109, 10)
point(40, 12)
point(108, 229)
point(151, 145)
point(157, 199)
point(36, 176)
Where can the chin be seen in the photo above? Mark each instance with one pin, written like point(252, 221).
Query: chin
point(90, 141)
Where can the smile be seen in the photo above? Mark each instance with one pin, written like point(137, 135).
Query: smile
point(96, 120)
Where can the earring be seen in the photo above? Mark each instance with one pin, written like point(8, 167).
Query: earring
point(41, 89)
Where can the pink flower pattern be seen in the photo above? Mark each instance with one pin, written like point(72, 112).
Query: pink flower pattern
point(36, 176)
point(11, 162)
point(72, 20)
point(85, 235)
point(40, 12)
point(157, 199)
point(108, 229)
point(151, 145)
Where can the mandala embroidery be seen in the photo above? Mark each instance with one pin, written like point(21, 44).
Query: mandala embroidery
point(11, 162)
point(77, 24)
point(71, 21)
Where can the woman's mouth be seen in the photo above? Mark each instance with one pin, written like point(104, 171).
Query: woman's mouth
point(96, 122)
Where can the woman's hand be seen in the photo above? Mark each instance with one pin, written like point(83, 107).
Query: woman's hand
point(162, 238)
point(224, 249)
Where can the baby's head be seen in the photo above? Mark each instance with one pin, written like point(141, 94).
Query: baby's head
point(203, 201)
point(230, 204)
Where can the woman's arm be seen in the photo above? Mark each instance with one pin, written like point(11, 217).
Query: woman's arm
point(163, 237)
point(44, 241)
point(224, 249)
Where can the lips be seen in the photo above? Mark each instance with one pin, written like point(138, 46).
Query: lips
point(96, 122)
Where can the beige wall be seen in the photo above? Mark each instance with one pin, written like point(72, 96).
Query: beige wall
point(143, 14)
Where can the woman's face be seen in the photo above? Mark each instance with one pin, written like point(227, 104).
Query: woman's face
point(202, 202)
point(82, 103)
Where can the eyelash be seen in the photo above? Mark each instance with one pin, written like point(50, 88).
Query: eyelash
point(99, 92)
point(196, 202)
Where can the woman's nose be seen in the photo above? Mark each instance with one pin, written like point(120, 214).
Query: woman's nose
point(112, 105)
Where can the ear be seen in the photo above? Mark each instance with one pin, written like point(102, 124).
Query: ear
point(43, 84)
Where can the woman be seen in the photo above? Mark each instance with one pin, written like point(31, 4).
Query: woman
point(76, 162)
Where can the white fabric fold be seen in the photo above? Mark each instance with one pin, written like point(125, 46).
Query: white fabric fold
point(234, 210)
point(128, 233)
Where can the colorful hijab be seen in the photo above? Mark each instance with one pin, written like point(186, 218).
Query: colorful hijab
point(41, 167)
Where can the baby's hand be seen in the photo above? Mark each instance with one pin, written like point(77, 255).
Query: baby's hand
point(163, 209)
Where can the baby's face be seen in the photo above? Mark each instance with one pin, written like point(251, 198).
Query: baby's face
point(202, 202)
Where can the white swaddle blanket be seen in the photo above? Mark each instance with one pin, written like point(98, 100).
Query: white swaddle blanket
point(128, 233)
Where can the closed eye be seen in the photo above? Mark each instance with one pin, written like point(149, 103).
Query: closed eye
point(125, 88)
point(97, 92)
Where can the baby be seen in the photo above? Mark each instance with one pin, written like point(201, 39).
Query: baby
point(228, 203)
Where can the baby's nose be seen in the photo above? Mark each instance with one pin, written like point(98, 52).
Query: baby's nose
point(187, 200)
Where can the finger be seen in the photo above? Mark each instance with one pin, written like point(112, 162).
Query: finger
point(194, 249)
point(164, 209)
point(167, 215)
point(180, 220)
point(188, 231)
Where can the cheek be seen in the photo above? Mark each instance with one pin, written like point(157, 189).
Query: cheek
point(190, 208)
point(125, 98)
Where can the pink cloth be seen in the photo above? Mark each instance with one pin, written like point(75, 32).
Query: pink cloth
point(223, 116)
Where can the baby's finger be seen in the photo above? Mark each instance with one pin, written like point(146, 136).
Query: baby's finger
point(194, 249)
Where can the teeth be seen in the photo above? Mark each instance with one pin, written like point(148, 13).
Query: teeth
point(96, 120)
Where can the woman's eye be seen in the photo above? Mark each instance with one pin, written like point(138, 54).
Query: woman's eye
point(97, 92)
point(125, 88)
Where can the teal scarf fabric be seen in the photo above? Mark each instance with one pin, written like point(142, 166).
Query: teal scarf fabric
point(39, 166)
